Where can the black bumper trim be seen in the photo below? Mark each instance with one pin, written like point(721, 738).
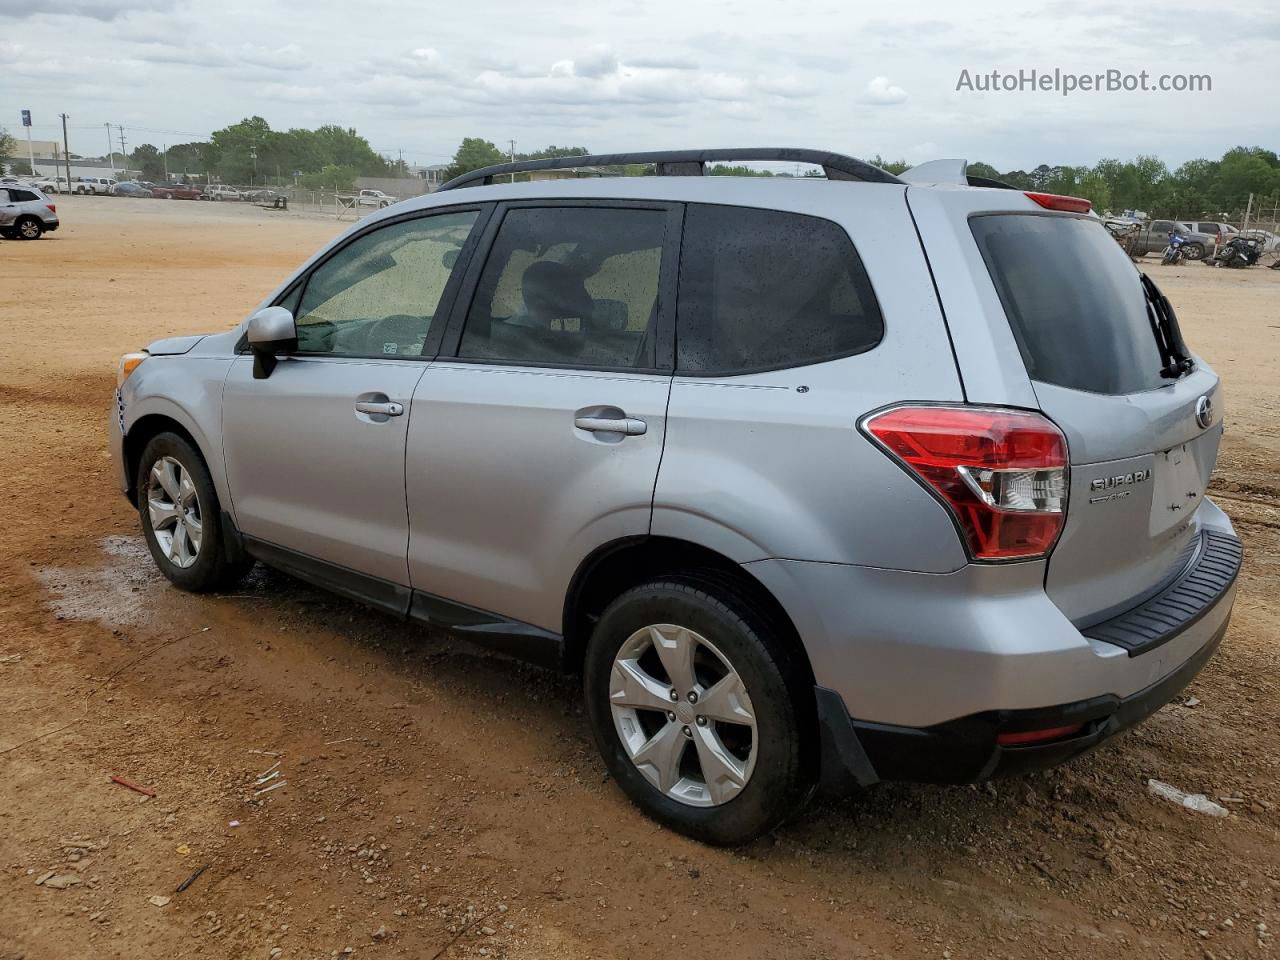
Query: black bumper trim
point(1194, 591)
point(965, 750)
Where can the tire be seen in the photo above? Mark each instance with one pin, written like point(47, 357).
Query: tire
point(1193, 251)
point(775, 757)
point(213, 564)
point(28, 228)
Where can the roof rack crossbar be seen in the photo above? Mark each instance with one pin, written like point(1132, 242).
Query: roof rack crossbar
point(683, 163)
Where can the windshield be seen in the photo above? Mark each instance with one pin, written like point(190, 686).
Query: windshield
point(1074, 301)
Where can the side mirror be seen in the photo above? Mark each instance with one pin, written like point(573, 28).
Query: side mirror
point(271, 330)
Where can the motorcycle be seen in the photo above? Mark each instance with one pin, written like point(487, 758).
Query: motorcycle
point(1173, 252)
point(1237, 252)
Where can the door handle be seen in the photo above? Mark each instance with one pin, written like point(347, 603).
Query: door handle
point(387, 408)
point(627, 426)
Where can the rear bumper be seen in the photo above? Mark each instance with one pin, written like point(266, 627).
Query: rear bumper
point(917, 674)
point(966, 751)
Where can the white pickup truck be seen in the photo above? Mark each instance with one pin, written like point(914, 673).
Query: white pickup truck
point(368, 198)
point(100, 185)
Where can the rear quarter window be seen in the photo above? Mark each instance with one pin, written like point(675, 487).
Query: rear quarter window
point(765, 289)
point(1074, 302)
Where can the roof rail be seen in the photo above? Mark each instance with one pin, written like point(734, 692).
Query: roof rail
point(685, 163)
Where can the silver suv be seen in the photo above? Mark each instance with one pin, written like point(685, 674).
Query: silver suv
point(816, 482)
point(26, 213)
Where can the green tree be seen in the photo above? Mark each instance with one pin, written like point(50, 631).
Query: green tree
point(331, 177)
point(148, 161)
point(7, 144)
point(472, 154)
point(893, 166)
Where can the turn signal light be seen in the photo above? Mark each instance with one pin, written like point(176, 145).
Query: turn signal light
point(128, 363)
point(1001, 473)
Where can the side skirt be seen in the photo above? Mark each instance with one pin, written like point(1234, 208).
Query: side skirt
point(523, 641)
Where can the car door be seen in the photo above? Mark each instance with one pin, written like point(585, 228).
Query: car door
point(315, 451)
point(539, 439)
point(8, 209)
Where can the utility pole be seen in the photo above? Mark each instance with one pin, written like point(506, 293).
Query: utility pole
point(124, 155)
point(110, 159)
point(164, 147)
point(66, 151)
point(512, 156)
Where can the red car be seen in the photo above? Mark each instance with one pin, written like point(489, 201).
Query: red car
point(175, 191)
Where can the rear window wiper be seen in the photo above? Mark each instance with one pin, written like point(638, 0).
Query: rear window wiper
point(1164, 325)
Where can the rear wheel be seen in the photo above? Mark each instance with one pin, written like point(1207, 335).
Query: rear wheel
point(181, 517)
point(697, 711)
point(1193, 251)
point(28, 228)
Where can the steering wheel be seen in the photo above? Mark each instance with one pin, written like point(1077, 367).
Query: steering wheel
point(402, 329)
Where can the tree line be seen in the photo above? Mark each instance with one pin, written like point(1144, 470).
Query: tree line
point(330, 157)
point(1209, 189)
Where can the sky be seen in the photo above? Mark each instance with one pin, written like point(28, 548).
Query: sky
point(620, 74)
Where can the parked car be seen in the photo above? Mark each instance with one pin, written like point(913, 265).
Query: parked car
point(1154, 237)
point(49, 184)
point(26, 213)
point(219, 192)
point(1214, 228)
point(369, 198)
point(176, 191)
point(1270, 242)
point(98, 185)
point(131, 188)
point(813, 484)
point(259, 194)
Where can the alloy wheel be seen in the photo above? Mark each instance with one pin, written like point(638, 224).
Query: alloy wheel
point(29, 229)
point(174, 508)
point(683, 715)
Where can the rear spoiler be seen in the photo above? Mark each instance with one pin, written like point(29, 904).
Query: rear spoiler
point(950, 171)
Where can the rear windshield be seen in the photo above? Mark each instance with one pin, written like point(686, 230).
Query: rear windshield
point(1074, 301)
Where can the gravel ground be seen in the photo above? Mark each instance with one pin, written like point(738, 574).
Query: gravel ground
point(442, 802)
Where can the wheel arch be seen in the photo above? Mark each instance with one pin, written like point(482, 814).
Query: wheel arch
point(141, 432)
point(621, 564)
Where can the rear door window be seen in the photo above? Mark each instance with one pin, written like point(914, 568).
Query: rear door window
point(764, 289)
point(569, 286)
point(1074, 301)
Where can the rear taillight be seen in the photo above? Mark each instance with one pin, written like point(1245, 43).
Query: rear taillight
point(1056, 201)
point(1002, 473)
point(52, 207)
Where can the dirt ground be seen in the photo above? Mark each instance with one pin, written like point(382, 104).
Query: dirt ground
point(440, 802)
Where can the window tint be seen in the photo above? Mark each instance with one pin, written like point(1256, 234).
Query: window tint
point(1162, 226)
point(761, 289)
point(569, 285)
point(22, 196)
point(1089, 334)
point(378, 294)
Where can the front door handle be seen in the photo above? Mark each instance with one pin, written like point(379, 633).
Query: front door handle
point(387, 408)
point(627, 426)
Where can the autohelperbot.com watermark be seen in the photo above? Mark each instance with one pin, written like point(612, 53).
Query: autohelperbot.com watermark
point(1066, 82)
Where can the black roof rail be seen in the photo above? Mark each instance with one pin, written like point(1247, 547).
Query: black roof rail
point(685, 163)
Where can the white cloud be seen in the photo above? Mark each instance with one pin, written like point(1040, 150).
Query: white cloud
point(104, 10)
point(882, 93)
point(288, 57)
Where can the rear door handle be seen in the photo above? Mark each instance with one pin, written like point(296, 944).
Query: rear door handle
point(627, 426)
point(387, 408)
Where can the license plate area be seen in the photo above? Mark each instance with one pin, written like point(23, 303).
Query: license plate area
point(1177, 486)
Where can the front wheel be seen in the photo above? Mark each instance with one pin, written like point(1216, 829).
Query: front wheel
point(1193, 251)
point(181, 517)
point(698, 710)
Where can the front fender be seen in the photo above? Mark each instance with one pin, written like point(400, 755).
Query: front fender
point(188, 391)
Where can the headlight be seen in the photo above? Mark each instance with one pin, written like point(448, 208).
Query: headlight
point(128, 363)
